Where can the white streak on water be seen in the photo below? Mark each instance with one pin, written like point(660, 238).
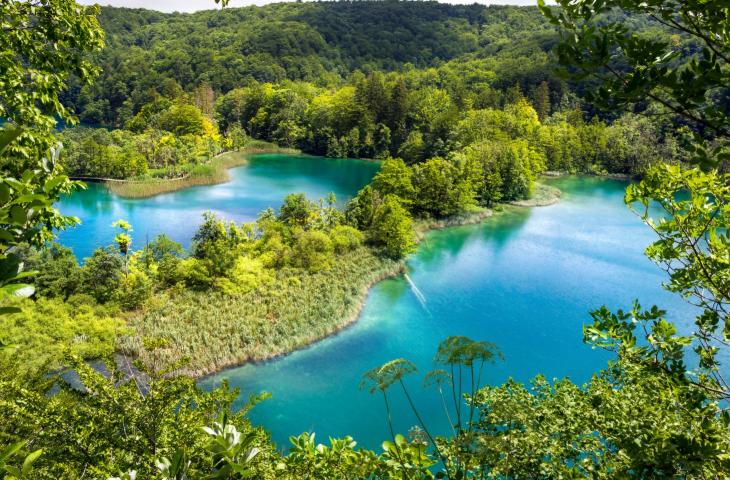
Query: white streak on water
point(417, 293)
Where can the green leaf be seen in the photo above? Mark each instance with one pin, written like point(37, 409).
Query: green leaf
point(4, 193)
point(11, 450)
point(14, 471)
point(30, 460)
point(54, 182)
point(8, 135)
point(18, 214)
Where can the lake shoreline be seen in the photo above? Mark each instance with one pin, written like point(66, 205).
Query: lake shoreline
point(542, 196)
point(609, 176)
point(350, 321)
point(212, 173)
point(422, 228)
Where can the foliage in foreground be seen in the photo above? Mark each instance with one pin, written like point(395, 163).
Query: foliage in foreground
point(116, 425)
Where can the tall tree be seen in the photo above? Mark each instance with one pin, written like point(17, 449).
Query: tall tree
point(393, 227)
point(631, 68)
point(541, 100)
point(43, 44)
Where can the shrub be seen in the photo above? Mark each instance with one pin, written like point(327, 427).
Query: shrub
point(162, 245)
point(345, 238)
point(246, 275)
point(193, 273)
point(296, 210)
point(47, 329)
point(59, 273)
point(134, 289)
point(167, 270)
point(102, 273)
point(313, 250)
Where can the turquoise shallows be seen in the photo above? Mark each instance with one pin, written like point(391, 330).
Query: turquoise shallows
point(261, 184)
point(525, 280)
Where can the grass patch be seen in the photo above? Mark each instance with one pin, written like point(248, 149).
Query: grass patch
point(211, 173)
point(214, 331)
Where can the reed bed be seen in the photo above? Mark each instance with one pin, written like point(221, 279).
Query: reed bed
point(211, 173)
point(542, 196)
point(214, 331)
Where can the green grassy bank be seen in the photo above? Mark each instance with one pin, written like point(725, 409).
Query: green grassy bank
point(211, 173)
point(213, 330)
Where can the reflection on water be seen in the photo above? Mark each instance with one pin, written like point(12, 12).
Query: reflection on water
point(525, 280)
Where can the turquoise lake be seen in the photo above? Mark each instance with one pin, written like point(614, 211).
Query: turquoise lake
point(261, 184)
point(524, 280)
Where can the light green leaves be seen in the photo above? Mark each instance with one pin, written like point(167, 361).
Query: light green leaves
point(381, 378)
point(7, 136)
point(12, 471)
point(40, 60)
point(408, 458)
point(123, 239)
point(231, 450)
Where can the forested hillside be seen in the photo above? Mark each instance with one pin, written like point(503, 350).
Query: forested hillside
point(318, 42)
point(349, 79)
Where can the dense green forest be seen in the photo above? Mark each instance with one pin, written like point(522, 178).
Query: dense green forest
point(347, 79)
point(321, 43)
point(462, 105)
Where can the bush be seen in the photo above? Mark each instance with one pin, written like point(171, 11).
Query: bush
point(162, 245)
point(134, 289)
point(167, 270)
point(313, 250)
point(296, 210)
point(47, 329)
point(102, 273)
point(345, 238)
point(193, 273)
point(246, 275)
point(59, 273)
